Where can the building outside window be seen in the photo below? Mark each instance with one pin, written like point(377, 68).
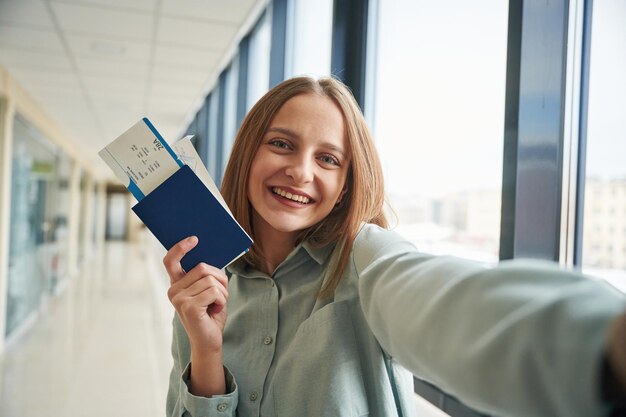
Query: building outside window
point(604, 236)
point(439, 121)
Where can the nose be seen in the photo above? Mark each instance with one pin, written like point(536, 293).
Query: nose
point(301, 170)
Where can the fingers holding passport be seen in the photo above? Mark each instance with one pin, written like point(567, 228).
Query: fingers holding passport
point(199, 296)
point(172, 259)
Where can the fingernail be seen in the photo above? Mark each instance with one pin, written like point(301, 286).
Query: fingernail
point(192, 239)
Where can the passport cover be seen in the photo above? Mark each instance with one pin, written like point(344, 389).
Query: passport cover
point(182, 206)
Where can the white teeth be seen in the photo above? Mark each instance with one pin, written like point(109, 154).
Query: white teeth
point(298, 198)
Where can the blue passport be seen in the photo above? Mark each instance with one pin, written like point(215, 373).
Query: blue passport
point(182, 206)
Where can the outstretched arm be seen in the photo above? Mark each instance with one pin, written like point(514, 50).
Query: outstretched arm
point(522, 339)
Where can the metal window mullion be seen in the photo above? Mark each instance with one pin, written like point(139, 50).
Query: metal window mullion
point(582, 133)
point(511, 113)
point(278, 44)
point(349, 45)
point(242, 80)
point(204, 133)
point(219, 145)
point(533, 137)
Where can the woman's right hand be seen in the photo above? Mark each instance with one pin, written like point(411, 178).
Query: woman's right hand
point(199, 297)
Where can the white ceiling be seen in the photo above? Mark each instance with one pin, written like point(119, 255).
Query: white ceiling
point(98, 66)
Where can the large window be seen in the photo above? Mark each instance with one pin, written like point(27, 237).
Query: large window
point(438, 121)
point(604, 232)
point(229, 114)
point(309, 38)
point(259, 60)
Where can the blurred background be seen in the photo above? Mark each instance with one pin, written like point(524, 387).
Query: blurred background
point(501, 128)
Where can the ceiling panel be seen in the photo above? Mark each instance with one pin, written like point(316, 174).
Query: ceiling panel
point(67, 97)
point(30, 39)
point(27, 13)
point(113, 84)
point(194, 33)
point(134, 5)
point(179, 75)
point(47, 80)
point(97, 66)
point(175, 105)
point(176, 56)
point(214, 10)
point(99, 20)
point(134, 100)
point(90, 66)
point(18, 58)
point(174, 90)
point(98, 47)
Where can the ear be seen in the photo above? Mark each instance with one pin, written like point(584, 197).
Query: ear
point(341, 194)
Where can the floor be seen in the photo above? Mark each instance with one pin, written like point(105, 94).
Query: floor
point(100, 348)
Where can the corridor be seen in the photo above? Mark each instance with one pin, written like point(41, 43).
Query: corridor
point(100, 348)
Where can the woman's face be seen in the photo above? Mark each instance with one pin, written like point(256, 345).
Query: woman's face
point(300, 168)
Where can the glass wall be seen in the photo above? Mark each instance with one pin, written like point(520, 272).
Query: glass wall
point(439, 119)
point(259, 60)
point(604, 231)
point(38, 232)
point(212, 133)
point(229, 113)
point(310, 39)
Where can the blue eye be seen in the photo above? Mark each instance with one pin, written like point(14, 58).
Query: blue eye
point(278, 143)
point(329, 159)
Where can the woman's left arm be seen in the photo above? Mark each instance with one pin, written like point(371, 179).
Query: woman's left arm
point(523, 339)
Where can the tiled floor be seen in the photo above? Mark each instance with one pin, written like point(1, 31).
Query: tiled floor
point(101, 348)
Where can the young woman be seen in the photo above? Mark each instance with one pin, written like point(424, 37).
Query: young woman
point(330, 314)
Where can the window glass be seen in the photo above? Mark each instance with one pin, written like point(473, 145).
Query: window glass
point(230, 111)
point(35, 223)
point(604, 230)
point(259, 60)
point(439, 120)
point(213, 103)
point(309, 46)
point(199, 129)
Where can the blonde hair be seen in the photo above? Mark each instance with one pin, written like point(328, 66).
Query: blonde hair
point(363, 200)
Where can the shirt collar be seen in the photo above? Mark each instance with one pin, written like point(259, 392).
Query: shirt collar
point(318, 254)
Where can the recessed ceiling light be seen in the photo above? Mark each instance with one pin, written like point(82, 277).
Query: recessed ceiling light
point(107, 48)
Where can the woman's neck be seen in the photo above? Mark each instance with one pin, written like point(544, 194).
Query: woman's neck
point(273, 244)
point(274, 253)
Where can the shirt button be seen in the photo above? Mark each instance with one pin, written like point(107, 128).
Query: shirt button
point(268, 340)
point(222, 407)
point(253, 396)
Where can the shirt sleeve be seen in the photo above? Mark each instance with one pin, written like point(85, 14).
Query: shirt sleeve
point(180, 402)
point(521, 339)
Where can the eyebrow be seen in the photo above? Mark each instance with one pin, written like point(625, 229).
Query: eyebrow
point(294, 135)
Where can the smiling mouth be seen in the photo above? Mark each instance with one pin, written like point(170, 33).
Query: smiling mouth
point(293, 197)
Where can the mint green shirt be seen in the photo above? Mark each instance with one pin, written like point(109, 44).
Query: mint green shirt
point(523, 339)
